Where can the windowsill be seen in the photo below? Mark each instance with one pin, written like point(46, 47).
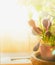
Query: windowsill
point(17, 60)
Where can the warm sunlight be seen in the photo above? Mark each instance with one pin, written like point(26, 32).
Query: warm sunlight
point(15, 32)
point(14, 27)
point(15, 22)
point(27, 32)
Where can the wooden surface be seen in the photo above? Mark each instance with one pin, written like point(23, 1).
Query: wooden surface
point(18, 64)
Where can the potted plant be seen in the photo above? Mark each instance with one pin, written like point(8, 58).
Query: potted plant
point(46, 45)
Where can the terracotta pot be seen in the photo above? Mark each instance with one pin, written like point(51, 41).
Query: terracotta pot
point(37, 60)
point(46, 52)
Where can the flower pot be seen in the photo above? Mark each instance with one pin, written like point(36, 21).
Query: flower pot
point(46, 52)
point(37, 60)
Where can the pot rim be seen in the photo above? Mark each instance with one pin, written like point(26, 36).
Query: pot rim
point(35, 54)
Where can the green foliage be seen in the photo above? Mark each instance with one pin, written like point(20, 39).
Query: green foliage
point(47, 9)
point(50, 41)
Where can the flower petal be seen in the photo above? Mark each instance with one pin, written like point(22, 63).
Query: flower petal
point(48, 33)
point(46, 24)
point(32, 23)
point(38, 30)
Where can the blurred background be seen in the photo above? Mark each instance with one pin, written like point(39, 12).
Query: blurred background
point(15, 33)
